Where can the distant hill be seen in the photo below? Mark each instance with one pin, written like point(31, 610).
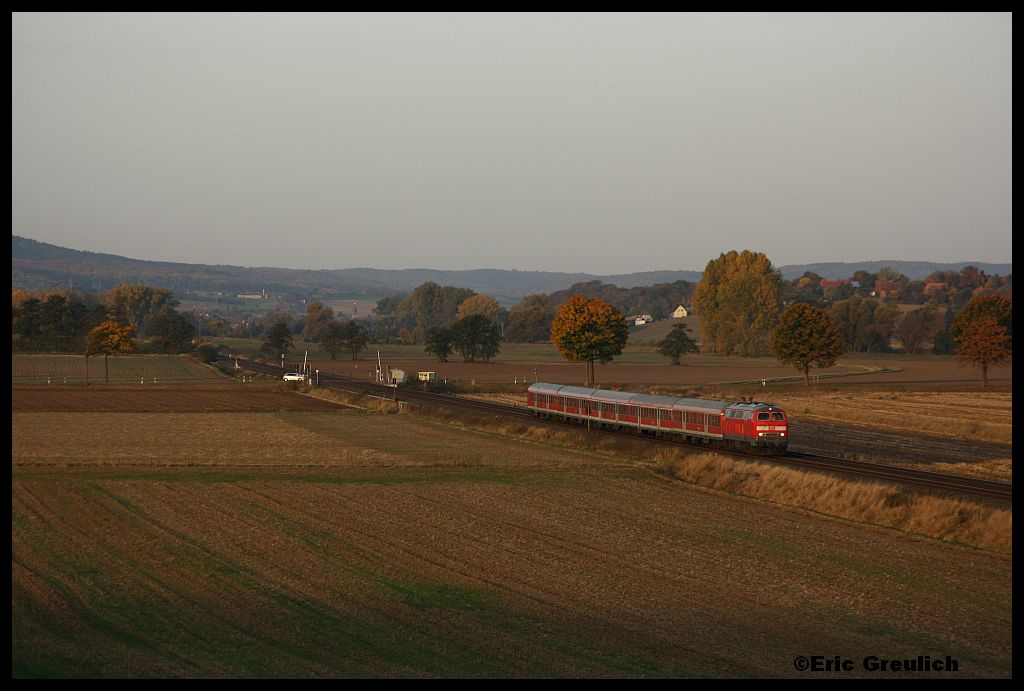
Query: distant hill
point(38, 265)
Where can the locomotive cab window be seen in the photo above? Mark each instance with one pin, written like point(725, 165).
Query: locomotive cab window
point(778, 416)
point(763, 416)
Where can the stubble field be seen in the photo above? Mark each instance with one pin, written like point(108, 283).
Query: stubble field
point(347, 543)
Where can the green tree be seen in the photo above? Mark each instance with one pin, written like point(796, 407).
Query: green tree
point(917, 327)
point(135, 304)
point(430, 305)
point(476, 336)
point(330, 338)
point(806, 336)
point(530, 320)
point(109, 338)
point(278, 341)
point(354, 338)
point(344, 335)
point(171, 332)
point(439, 341)
point(865, 324)
point(738, 302)
point(984, 343)
point(677, 343)
point(586, 330)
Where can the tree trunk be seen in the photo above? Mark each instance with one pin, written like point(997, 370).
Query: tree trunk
point(807, 376)
point(984, 375)
point(106, 369)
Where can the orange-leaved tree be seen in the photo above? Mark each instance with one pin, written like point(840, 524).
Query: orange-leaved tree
point(984, 342)
point(586, 330)
point(109, 338)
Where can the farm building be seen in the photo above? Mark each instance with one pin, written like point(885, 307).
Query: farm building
point(680, 312)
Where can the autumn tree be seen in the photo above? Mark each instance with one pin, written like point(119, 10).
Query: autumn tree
point(530, 320)
point(109, 338)
point(317, 316)
point(586, 330)
point(738, 302)
point(806, 336)
point(985, 343)
point(482, 304)
point(985, 306)
point(677, 343)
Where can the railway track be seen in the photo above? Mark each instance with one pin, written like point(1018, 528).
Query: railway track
point(921, 478)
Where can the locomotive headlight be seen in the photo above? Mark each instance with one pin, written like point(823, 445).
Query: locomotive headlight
point(760, 434)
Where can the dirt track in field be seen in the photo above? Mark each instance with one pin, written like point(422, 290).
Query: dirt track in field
point(114, 399)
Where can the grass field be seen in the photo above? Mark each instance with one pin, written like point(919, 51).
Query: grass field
point(344, 543)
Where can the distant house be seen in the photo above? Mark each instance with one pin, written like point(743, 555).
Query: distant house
point(639, 319)
point(680, 312)
point(825, 283)
point(887, 289)
point(929, 286)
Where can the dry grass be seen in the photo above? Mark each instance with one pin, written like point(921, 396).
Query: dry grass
point(1000, 469)
point(975, 522)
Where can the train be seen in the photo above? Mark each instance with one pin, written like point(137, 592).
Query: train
point(760, 427)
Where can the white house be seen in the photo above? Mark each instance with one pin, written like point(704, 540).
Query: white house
point(680, 313)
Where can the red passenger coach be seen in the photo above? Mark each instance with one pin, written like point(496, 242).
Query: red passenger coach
point(760, 426)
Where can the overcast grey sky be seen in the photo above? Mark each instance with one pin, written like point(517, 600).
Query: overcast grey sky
point(605, 143)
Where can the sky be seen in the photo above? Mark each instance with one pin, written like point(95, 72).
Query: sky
point(598, 143)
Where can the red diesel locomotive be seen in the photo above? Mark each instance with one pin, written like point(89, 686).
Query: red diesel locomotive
point(761, 426)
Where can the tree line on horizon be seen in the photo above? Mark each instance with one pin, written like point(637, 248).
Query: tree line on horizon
point(746, 308)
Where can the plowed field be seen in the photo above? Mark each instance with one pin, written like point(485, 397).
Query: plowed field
point(327, 544)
